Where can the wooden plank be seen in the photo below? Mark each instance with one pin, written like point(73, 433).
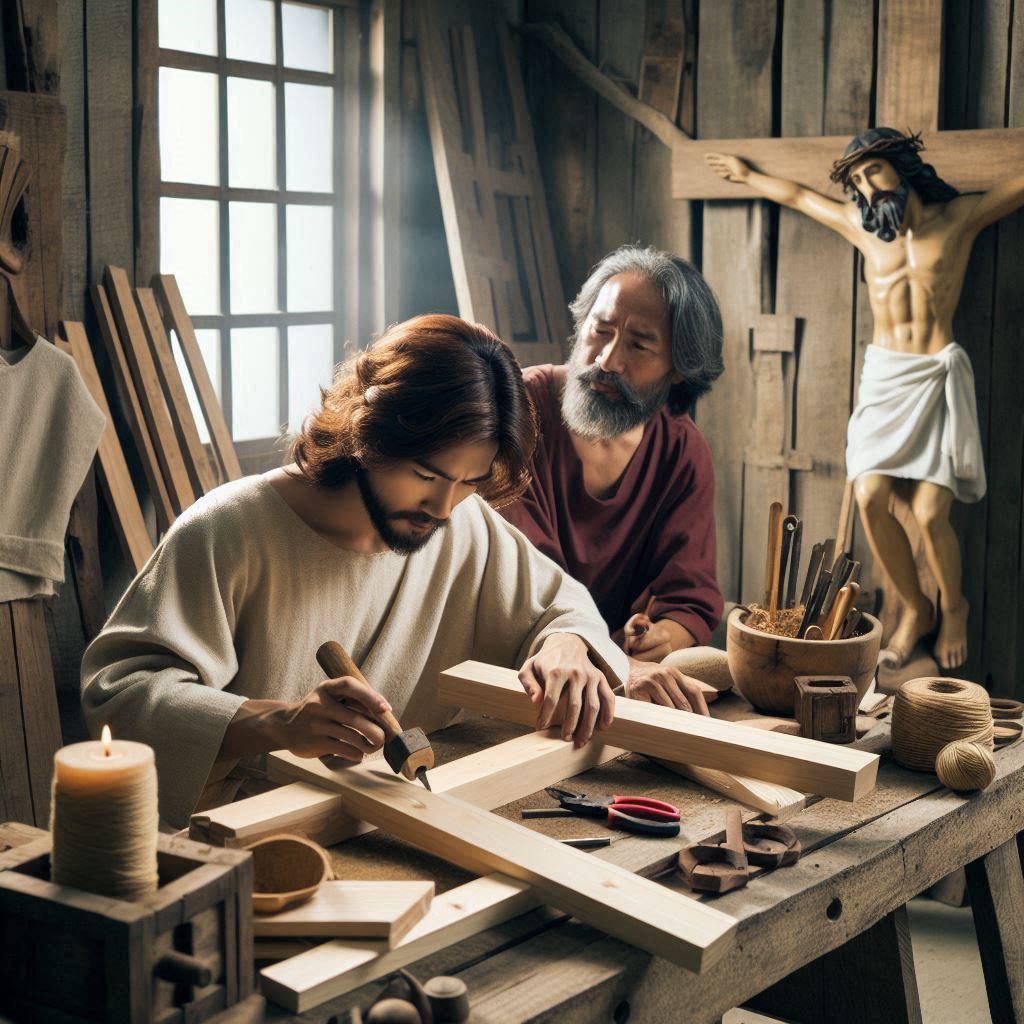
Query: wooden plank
point(15, 787)
point(147, 387)
point(362, 910)
point(488, 779)
point(334, 968)
point(196, 462)
point(815, 268)
point(118, 491)
point(972, 161)
point(997, 901)
point(909, 59)
point(734, 96)
point(609, 897)
point(780, 802)
point(82, 546)
point(38, 701)
point(220, 437)
point(793, 761)
point(130, 402)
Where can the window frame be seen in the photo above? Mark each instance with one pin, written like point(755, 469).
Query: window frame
point(345, 199)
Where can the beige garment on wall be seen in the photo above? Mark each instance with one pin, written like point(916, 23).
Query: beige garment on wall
point(49, 430)
point(241, 592)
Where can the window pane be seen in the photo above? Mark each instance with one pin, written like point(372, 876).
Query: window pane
point(190, 249)
point(255, 408)
point(308, 132)
point(310, 267)
point(307, 37)
point(188, 126)
point(253, 257)
point(249, 28)
point(209, 346)
point(188, 25)
point(310, 365)
point(252, 150)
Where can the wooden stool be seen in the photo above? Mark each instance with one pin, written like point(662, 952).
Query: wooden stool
point(826, 708)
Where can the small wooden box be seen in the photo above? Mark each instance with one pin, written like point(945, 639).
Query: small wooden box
point(181, 955)
point(826, 708)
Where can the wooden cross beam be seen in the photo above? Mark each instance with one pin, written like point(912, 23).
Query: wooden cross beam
point(803, 764)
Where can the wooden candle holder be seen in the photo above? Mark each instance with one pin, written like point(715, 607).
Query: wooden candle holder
point(183, 954)
point(826, 708)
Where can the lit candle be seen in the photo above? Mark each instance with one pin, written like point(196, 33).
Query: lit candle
point(104, 817)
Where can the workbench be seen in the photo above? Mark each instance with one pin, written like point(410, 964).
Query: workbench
point(824, 940)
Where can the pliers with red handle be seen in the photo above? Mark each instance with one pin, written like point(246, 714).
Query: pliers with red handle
point(632, 813)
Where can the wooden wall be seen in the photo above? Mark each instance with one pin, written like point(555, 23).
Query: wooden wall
point(803, 67)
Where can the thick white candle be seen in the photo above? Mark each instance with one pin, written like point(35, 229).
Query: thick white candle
point(104, 818)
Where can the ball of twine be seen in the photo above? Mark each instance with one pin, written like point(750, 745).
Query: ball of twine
point(931, 712)
point(964, 765)
point(105, 842)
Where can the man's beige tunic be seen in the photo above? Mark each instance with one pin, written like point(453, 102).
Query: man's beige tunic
point(241, 592)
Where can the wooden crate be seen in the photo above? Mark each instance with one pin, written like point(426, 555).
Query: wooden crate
point(68, 957)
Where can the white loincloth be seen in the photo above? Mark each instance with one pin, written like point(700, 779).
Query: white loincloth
point(917, 418)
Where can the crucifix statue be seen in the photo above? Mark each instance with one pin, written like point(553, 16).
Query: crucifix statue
point(916, 417)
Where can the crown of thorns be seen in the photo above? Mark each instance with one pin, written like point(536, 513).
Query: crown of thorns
point(877, 140)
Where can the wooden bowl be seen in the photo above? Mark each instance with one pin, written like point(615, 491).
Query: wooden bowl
point(763, 666)
point(286, 870)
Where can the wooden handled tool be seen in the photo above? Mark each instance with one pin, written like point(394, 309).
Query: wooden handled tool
point(813, 568)
point(789, 525)
point(774, 560)
point(408, 752)
point(837, 617)
point(794, 564)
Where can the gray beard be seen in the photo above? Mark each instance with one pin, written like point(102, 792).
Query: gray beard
point(598, 417)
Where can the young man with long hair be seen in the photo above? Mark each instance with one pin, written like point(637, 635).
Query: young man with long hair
point(381, 535)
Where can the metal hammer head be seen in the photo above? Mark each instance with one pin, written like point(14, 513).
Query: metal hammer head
point(408, 752)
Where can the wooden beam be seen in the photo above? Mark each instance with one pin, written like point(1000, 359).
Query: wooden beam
point(488, 779)
point(147, 386)
point(803, 764)
point(780, 802)
point(971, 161)
point(193, 453)
point(363, 910)
point(220, 437)
point(115, 479)
point(604, 895)
point(909, 60)
point(334, 968)
point(15, 785)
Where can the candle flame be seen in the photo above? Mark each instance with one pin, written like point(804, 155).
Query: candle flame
point(106, 740)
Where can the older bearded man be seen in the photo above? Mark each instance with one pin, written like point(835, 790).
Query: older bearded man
point(622, 494)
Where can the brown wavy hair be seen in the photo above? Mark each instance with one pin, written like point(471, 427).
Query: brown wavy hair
point(427, 384)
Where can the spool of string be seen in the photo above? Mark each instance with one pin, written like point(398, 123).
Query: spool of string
point(104, 838)
point(964, 765)
point(931, 712)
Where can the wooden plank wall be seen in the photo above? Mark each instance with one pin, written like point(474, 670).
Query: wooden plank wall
point(804, 67)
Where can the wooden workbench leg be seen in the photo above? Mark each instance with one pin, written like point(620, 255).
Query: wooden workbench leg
point(827, 989)
point(997, 899)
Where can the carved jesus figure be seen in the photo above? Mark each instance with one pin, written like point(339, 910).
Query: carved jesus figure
point(916, 417)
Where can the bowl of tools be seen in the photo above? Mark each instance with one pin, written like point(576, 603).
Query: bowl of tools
point(764, 665)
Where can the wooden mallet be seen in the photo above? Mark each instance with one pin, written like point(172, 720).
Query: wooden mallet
point(408, 751)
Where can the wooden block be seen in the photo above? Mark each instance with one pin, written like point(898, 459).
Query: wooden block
point(972, 161)
point(664, 732)
point(196, 462)
point(165, 514)
point(147, 386)
point(608, 897)
point(359, 910)
point(778, 801)
point(488, 779)
point(337, 967)
point(826, 708)
point(115, 479)
point(220, 437)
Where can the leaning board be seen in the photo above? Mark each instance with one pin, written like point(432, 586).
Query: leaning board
point(806, 765)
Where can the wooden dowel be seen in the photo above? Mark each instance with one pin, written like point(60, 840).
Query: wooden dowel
point(771, 579)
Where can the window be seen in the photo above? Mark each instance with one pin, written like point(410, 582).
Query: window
point(258, 193)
